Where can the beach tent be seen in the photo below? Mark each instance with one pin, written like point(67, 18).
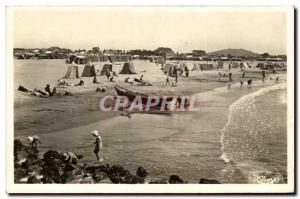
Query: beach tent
point(128, 68)
point(196, 67)
point(72, 72)
point(244, 66)
point(206, 66)
point(220, 64)
point(167, 67)
point(106, 69)
point(93, 58)
point(235, 65)
point(215, 65)
point(160, 60)
point(88, 71)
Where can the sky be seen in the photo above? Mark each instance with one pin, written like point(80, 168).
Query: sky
point(182, 29)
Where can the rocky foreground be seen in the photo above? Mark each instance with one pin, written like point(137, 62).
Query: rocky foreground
point(30, 168)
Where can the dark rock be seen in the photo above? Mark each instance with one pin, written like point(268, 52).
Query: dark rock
point(34, 168)
point(101, 168)
point(141, 172)
point(117, 174)
point(53, 169)
point(132, 179)
point(158, 182)
point(207, 181)
point(23, 152)
point(47, 180)
point(119, 170)
point(175, 179)
point(51, 154)
point(67, 177)
point(19, 173)
point(98, 176)
point(18, 146)
point(33, 180)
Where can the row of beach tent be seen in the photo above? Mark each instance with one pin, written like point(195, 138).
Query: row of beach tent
point(104, 58)
point(99, 69)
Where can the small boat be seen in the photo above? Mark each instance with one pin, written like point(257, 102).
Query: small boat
point(144, 97)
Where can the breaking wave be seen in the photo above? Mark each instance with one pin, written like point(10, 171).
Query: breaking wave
point(245, 102)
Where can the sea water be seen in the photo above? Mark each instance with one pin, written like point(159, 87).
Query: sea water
point(254, 141)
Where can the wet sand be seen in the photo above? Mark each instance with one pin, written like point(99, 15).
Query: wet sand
point(187, 144)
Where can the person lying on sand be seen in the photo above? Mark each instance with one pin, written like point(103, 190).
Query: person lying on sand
point(98, 145)
point(68, 93)
point(48, 90)
point(23, 89)
point(61, 82)
point(127, 114)
point(127, 80)
point(40, 93)
point(81, 83)
point(102, 90)
point(54, 92)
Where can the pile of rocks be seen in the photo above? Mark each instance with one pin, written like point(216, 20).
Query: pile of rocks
point(50, 168)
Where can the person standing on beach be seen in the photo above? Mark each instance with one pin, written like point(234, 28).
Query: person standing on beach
point(249, 83)
point(263, 75)
point(230, 76)
point(176, 75)
point(98, 145)
point(167, 81)
point(33, 140)
point(242, 83)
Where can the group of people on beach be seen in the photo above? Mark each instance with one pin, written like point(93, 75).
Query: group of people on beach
point(71, 157)
point(40, 93)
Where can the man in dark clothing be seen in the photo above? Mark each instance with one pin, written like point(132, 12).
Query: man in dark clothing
point(263, 75)
point(175, 75)
point(230, 77)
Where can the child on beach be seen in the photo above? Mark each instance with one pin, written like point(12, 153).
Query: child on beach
point(98, 145)
point(249, 83)
point(33, 140)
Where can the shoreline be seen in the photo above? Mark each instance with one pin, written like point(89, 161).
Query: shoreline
point(72, 118)
point(220, 91)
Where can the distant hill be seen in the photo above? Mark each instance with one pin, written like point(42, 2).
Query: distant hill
point(234, 52)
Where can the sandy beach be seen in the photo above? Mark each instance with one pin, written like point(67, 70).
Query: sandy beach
point(186, 140)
